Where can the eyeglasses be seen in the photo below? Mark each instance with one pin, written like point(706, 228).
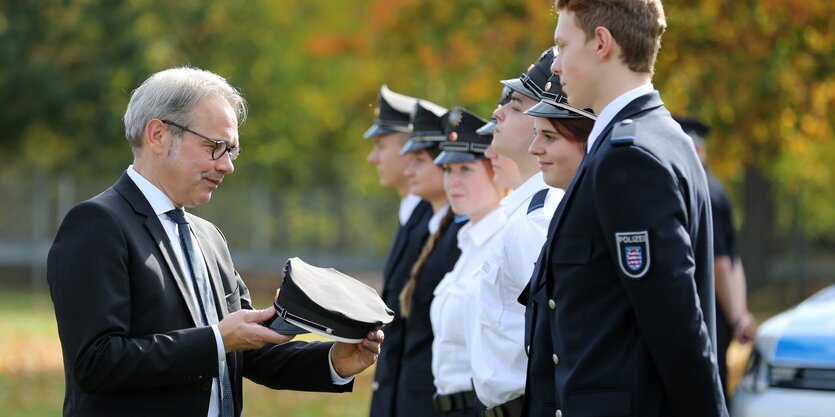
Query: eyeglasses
point(220, 148)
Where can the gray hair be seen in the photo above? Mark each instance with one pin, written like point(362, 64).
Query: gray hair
point(171, 95)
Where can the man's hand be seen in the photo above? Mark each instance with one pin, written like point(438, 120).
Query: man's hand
point(351, 359)
point(242, 330)
point(745, 329)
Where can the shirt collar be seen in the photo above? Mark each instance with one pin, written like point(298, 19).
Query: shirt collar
point(611, 110)
point(407, 206)
point(523, 193)
point(476, 234)
point(158, 200)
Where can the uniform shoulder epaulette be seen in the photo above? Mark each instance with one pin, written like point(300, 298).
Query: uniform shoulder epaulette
point(623, 133)
point(460, 218)
point(538, 200)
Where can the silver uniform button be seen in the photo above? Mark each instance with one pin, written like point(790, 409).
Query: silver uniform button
point(556, 359)
point(551, 304)
point(375, 386)
point(558, 413)
point(529, 349)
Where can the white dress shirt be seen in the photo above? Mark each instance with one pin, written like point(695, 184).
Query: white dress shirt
point(407, 207)
point(498, 356)
point(161, 204)
point(611, 110)
point(453, 310)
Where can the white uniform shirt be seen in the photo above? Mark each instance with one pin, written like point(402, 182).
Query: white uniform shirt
point(498, 356)
point(407, 207)
point(613, 108)
point(453, 310)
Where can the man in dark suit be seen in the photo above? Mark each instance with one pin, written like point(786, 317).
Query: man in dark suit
point(152, 316)
point(390, 132)
point(621, 306)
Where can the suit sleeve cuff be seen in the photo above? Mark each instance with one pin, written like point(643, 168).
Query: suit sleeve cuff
point(221, 350)
point(335, 378)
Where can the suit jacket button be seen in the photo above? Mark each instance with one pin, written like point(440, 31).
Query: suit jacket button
point(529, 349)
point(558, 413)
point(375, 386)
point(207, 386)
point(551, 304)
point(556, 359)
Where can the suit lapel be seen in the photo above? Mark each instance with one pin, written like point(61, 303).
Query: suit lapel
point(128, 189)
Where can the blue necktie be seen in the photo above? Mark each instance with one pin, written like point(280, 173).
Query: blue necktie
point(200, 280)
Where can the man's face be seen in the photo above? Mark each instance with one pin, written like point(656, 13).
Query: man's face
point(575, 61)
point(505, 172)
point(514, 129)
point(385, 155)
point(186, 172)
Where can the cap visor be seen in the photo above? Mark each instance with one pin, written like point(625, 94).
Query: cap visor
point(379, 130)
point(550, 111)
point(518, 86)
point(447, 157)
point(416, 145)
point(282, 326)
point(487, 129)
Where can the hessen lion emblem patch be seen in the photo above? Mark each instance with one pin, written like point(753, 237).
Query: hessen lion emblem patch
point(633, 253)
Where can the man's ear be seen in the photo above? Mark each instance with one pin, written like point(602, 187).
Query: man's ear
point(154, 136)
point(604, 43)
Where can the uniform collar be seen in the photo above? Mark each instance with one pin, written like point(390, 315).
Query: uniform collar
point(407, 207)
point(523, 193)
point(612, 109)
point(476, 234)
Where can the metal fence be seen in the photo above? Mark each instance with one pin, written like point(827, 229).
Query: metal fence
point(264, 226)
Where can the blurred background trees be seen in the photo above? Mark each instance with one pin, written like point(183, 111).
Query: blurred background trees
point(758, 71)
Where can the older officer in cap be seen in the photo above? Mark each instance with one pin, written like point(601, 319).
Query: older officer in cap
point(625, 279)
point(733, 320)
point(468, 181)
point(498, 354)
point(390, 132)
point(439, 254)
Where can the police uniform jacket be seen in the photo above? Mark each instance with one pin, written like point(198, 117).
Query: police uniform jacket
point(415, 387)
point(404, 252)
point(624, 285)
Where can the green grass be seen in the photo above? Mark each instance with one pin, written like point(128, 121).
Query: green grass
point(32, 377)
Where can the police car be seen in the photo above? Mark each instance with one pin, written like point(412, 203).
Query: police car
point(791, 371)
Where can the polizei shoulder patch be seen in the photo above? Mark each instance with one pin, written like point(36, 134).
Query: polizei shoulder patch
point(633, 253)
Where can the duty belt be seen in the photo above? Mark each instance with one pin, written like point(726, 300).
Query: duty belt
point(447, 403)
point(512, 408)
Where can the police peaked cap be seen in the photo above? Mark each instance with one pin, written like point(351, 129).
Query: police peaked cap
point(393, 113)
point(693, 127)
point(327, 302)
point(427, 131)
point(532, 82)
point(462, 143)
point(554, 103)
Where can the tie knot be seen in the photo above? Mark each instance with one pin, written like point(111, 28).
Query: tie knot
point(177, 216)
